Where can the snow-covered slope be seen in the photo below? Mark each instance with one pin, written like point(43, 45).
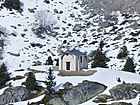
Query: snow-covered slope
point(21, 25)
point(107, 77)
point(19, 53)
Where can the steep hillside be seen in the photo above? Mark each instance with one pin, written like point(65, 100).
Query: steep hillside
point(105, 7)
point(44, 29)
point(71, 25)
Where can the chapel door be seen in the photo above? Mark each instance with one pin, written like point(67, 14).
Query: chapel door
point(67, 65)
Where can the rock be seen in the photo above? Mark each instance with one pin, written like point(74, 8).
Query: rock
point(37, 63)
point(125, 91)
point(55, 10)
point(31, 10)
point(120, 103)
point(85, 40)
point(57, 101)
point(79, 94)
point(102, 98)
point(77, 27)
point(47, 1)
point(14, 94)
point(61, 12)
point(119, 37)
point(69, 34)
point(14, 54)
point(105, 7)
point(67, 85)
point(1, 44)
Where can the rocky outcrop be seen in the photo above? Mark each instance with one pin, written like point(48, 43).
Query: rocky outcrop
point(67, 85)
point(14, 94)
point(119, 103)
point(123, 91)
point(102, 98)
point(77, 27)
point(1, 48)
point(57, 101)
point(79, 94)
point(105, 7)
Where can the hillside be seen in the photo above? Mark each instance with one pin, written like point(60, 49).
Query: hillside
point(70, 24)
point(24, 47)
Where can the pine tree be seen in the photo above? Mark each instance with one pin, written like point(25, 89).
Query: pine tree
point(12, 4)
point(30, 82)
point(57, 62)
point(123, 52)
point(4, 75)
point(101, 45)
point(50, 82)
point(100, 59)
point(49, 61)
point(129, 65)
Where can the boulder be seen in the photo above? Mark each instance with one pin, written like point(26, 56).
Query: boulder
point(125, 91)
point(67, 85)
point(14, 94)
point(102, 98)
point(57, 101)
point(77, 27)
point(79, 94)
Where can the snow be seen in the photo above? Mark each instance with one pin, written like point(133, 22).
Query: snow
point(1, 90)
point(104, 76)
point(41, 68)
point(28, 54)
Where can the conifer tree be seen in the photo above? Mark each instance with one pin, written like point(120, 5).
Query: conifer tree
point(101, 45)
point(50, 82)
point(123, 52)
point(129, 65)
point(4, 75)
point(30, 82)
point(100, 59)
point(49, 61)
point(12, 4)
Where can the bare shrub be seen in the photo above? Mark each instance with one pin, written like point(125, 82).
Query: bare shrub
point(44, 23)
point(44, 18)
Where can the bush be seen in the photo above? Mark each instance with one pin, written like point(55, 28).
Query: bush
point(30, 82)
point(123, 52)
point(4, 75)
point(100, 59)
point(129, 65)
point(12, 4)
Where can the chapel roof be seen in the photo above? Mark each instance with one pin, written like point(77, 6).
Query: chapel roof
point(75, 52)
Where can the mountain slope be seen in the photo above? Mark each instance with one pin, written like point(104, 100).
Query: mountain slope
point(71, 24)
point(21, 39)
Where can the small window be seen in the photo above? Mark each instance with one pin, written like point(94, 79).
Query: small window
point(81, 59)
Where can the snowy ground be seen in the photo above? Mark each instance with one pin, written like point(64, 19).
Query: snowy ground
point(107, 77)
point(22, 24)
